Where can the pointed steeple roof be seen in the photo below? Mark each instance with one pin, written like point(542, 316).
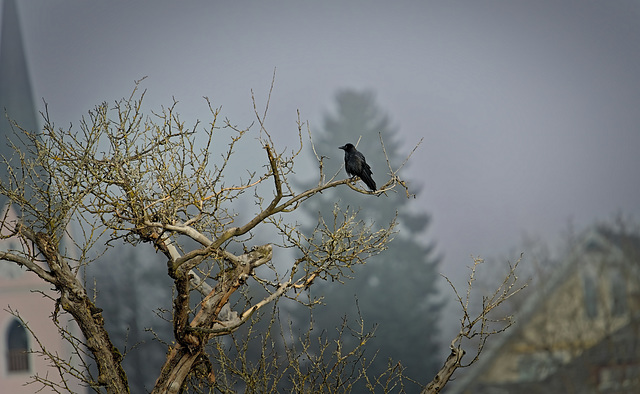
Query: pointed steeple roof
point(16, 97)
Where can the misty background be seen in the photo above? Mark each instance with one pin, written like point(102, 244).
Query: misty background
point(530, 111)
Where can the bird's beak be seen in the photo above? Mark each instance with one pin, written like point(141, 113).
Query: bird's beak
point(343, 147)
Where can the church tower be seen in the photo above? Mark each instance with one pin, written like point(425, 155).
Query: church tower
point(20, 291)
point(16, 96)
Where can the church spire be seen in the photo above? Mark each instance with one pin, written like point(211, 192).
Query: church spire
point(16, 97)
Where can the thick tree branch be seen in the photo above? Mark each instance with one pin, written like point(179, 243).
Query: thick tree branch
point(30, 265)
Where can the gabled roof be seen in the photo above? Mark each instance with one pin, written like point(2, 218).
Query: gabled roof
point(598, 238)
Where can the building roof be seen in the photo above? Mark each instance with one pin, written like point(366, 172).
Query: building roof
point(597, 239)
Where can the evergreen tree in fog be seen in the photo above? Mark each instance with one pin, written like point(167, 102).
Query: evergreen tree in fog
point(396, 290)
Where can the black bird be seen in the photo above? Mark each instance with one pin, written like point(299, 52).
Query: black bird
point(356, 165)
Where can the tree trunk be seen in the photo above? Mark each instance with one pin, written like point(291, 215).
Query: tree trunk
point(175, 370)
point(111, 375)
point(444, 374)
point(74, 300)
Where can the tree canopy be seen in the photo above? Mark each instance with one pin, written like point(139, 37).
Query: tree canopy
point(124, 175)
point(144, 178)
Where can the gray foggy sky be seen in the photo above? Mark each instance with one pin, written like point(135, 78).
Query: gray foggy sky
point(530, 111)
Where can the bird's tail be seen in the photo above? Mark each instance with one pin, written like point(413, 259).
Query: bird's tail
point(366, 178)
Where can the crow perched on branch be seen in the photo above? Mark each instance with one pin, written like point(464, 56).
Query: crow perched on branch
point(356, 165)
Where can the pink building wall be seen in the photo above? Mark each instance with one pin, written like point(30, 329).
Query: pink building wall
point(19, 292)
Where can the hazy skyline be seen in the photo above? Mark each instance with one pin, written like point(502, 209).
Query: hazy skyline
point(529, 110)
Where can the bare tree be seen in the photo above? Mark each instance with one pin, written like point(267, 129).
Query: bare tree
point(150, 179)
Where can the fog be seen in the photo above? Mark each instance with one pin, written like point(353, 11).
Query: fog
point(529, 110)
